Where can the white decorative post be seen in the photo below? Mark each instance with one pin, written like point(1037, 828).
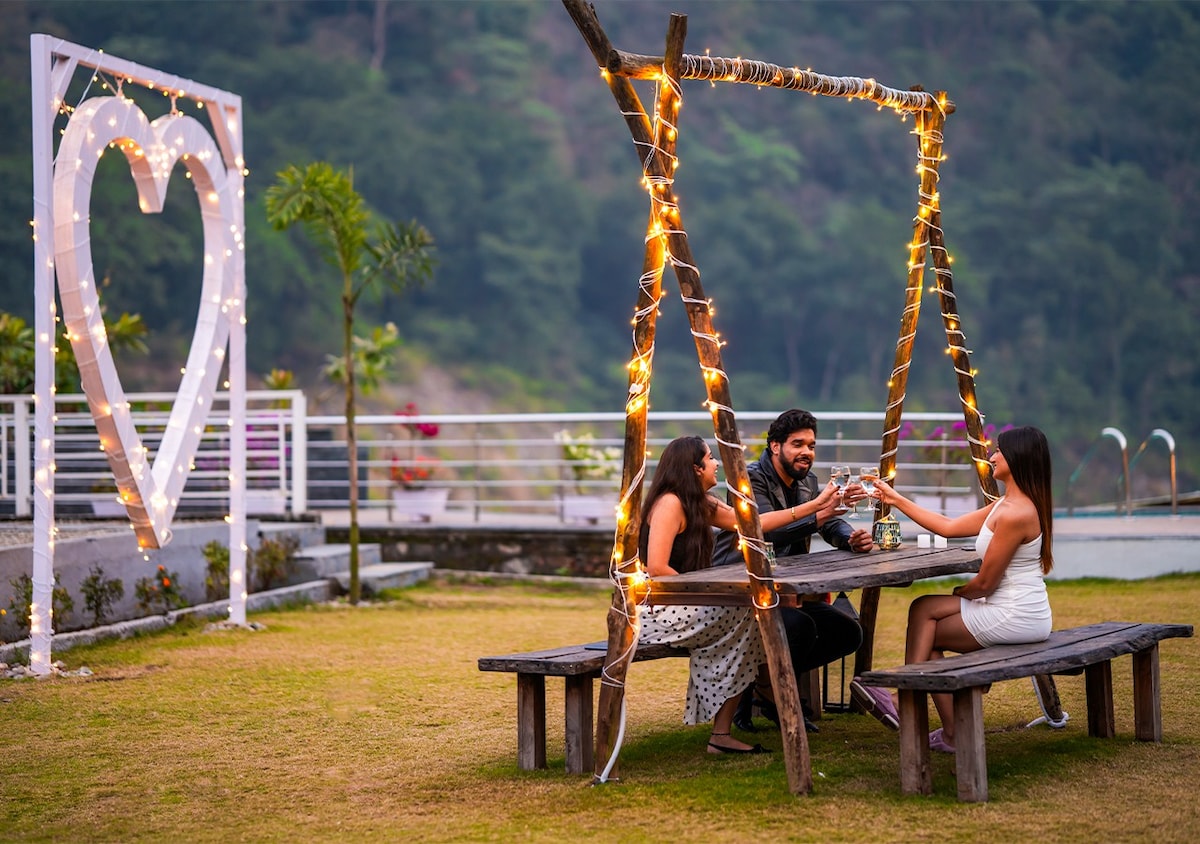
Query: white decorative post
point(150, 489)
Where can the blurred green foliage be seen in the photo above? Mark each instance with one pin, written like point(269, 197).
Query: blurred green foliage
point(1070, 196)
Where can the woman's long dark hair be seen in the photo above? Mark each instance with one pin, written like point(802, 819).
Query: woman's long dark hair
point(676, 473)
point(1028, 456)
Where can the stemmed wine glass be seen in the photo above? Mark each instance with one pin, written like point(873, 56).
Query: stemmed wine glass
point(867, 477)
point(841, 477)
point(852, 479)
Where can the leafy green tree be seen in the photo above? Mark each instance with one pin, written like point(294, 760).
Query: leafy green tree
point(16, 355)
point(333, 213)
point(127, 332)
point(373, 356)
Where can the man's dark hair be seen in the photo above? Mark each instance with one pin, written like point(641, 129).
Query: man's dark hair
point(788, 422)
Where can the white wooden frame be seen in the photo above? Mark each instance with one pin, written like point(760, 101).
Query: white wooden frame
point(61, 197)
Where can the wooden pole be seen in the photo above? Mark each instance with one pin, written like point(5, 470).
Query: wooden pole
point(767, 75)
point(956, 342)
point(656, 150)
point(929, 241)
point(708, 350)
point(929, 127)
point(625, 566)
point(931, 156)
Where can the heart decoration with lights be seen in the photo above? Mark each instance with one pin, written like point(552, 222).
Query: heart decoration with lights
point(149, 490)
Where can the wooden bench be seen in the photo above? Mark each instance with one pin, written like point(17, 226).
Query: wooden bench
point(579, 665)
point(967, 676)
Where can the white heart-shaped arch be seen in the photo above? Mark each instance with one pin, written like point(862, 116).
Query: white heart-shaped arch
point(150, 491)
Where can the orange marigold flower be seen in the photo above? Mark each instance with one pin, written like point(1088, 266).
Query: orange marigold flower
point(166, 581)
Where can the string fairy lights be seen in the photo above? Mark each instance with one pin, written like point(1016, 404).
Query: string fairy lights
point(151, 149)
point(149, 489)
point(928, 242)
point(666, 242)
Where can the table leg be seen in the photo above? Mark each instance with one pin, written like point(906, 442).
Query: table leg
point(868, 610)
point(810, 690)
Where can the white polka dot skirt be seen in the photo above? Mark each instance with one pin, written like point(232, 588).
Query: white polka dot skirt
point(725, 649)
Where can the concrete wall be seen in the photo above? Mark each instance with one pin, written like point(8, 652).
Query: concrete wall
point(570, 550)
point(118, 555)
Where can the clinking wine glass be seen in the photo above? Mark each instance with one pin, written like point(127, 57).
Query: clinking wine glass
point(840, 476)
point(852, 479)
point(867, 476)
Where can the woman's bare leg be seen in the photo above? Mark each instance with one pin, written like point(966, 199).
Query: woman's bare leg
point(935, 625)
point(721, 724)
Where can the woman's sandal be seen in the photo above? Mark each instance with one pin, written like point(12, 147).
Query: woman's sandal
point(937, 741)
point(719, 748)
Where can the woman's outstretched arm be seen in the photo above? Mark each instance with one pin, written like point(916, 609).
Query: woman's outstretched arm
point(965, 525)
point(724, 517)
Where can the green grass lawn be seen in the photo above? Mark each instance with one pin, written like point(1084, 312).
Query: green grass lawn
point(373, 723)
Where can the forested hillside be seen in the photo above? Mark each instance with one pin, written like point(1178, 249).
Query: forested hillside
point(1070, 196)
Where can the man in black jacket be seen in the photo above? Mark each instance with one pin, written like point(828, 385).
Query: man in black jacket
point(781, 479)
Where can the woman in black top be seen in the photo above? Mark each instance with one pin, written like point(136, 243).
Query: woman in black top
point(676, 536)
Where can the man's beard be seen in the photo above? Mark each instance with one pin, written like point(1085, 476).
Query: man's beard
point(796, 473)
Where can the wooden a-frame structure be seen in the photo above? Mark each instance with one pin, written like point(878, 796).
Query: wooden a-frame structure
point(666, 241)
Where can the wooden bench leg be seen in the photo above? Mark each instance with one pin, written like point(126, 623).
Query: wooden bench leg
point(1147, 707)
point(1098, 682)
point(970, 755)
point(531, 721)
point(915, 776)
point(579, 724)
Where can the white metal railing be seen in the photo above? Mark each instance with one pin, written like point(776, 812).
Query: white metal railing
point(491, 463)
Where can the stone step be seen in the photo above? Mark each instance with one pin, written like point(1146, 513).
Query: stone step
point(373, 578)
point(306, 533)
point(321, 561)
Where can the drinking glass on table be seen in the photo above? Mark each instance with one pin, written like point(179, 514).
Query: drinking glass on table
point(840, 476)
point(867, 476)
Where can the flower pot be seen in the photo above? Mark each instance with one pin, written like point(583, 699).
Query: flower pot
point(417, 505)
point(586, 508)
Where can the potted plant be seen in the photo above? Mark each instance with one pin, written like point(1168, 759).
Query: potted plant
point(411, 495)
point(589, 465)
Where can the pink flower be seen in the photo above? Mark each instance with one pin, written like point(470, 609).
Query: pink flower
point(423, 430)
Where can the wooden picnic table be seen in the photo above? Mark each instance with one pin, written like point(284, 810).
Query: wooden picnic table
point(792, 578)
point(813, 574)
point(816, 574)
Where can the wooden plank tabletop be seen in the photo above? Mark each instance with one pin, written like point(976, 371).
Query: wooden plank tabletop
point(804, 574)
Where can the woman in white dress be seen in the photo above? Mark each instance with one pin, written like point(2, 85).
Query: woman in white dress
point(676, 536)
point(1006, 602)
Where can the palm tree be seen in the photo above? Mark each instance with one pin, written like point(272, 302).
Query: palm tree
point(399, 254)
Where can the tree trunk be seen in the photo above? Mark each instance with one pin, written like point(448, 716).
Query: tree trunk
point(379, 35)
point(351, 441)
